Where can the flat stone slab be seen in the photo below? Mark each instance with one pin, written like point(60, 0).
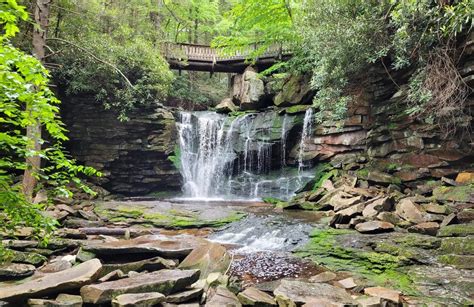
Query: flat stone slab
point(254, 297)
point(300, 292)
point(164, 281)
point(168, 214)
point(69, 279)
point(184, 296)
point(169, 247)
point(16, 270)
point(374, 227)
point(138, 299)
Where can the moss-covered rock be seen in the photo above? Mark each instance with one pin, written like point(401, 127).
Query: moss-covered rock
point(458, 261)
point(457, 230)
point(455, 193)
point(461, 246)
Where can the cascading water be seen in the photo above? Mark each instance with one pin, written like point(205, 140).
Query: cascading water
point(235, 157)
point(307, 131)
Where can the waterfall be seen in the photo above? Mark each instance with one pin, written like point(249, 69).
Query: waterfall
point(233, 157)
point(305, 134)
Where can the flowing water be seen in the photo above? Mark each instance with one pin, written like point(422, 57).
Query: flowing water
point(242, 157)
point(306, 132)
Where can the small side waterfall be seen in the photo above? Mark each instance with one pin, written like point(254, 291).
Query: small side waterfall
point(307, 131)
point(240, 157)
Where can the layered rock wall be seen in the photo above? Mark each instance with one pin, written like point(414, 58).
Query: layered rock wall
point(133, 155)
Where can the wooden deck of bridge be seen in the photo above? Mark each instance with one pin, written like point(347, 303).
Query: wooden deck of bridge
point(204, 58)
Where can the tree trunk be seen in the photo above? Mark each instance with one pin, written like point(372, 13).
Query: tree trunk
point(33, 131)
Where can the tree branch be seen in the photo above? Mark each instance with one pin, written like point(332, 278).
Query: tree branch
point(94, 57)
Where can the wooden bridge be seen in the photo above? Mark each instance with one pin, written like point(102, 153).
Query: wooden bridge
point(204, 58)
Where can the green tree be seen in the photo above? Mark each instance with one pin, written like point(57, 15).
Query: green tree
point(25, 99)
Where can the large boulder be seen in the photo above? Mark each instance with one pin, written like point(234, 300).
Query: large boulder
point(164, 281)
point(208, 258)
point(226, 106)
point(295, 292)
point(248, 90)
point(70, 279)
point(296, 90)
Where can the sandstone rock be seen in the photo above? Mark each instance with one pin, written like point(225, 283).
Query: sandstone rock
point(373, 208)
point(138, 299)
point(164, 281)
point(114, 275)
point(170, 247)
point(208, 258)
point(16, 270)
point(369, 301)
point(389, 217)
point(323, 277)
point(62, 300)
point(426, 228)
point(388, 294)
point(435, 208)
point(226, 106)
point(374, 227)
point(249, 90)
point(448, 220)
point(184, 296)
point(223, 297)
point(254, 297)
point(466, 216)
point(295, 91)
point(56, 266)
point(347, 283)
point(299, 292)
point(152, 264)
point(70, 279)
point(465, 177)
point(320, 302)
point(339, 202)
point(409, 211)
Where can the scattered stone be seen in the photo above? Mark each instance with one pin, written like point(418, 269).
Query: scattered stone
point(16, 270)
point(373, 208)
point(409, 211)
point(208, 258)
point(374, 227)
point(66, 208)
point(323, 277)
point(369, 301)
point(152, 264)
point(163, 281)
point(184, 296)
point(434, 208)
point(56, 266)
point(389, 217)
point(426, 228)
point(465, 177)
point(28, 257)
point(62, 300)
point(138, 299)
point(70, 279)
point(81, 223)
point(340, 202)
point(457, 230)
point(463, 193)
point(84, 256)
point(384, 293)
point(466, 216)
point(299, 292)
point(223, 297)
point(448, 220)
point(69, 258)
point(114, 275)
point(254, 297)
point(449, 181)
point(347, 283)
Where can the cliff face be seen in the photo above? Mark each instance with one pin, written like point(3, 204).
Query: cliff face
point(133, 156)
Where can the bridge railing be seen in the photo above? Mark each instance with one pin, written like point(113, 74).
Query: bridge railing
point(205, 53)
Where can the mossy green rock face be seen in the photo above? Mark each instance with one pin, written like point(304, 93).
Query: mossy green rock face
point(457, 194)
point(165, 214)
point(461, 246)
point(297, 109)
point(457, 230)
point(458, 261)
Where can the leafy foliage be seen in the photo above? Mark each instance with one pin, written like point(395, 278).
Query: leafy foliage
point(25, 99)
